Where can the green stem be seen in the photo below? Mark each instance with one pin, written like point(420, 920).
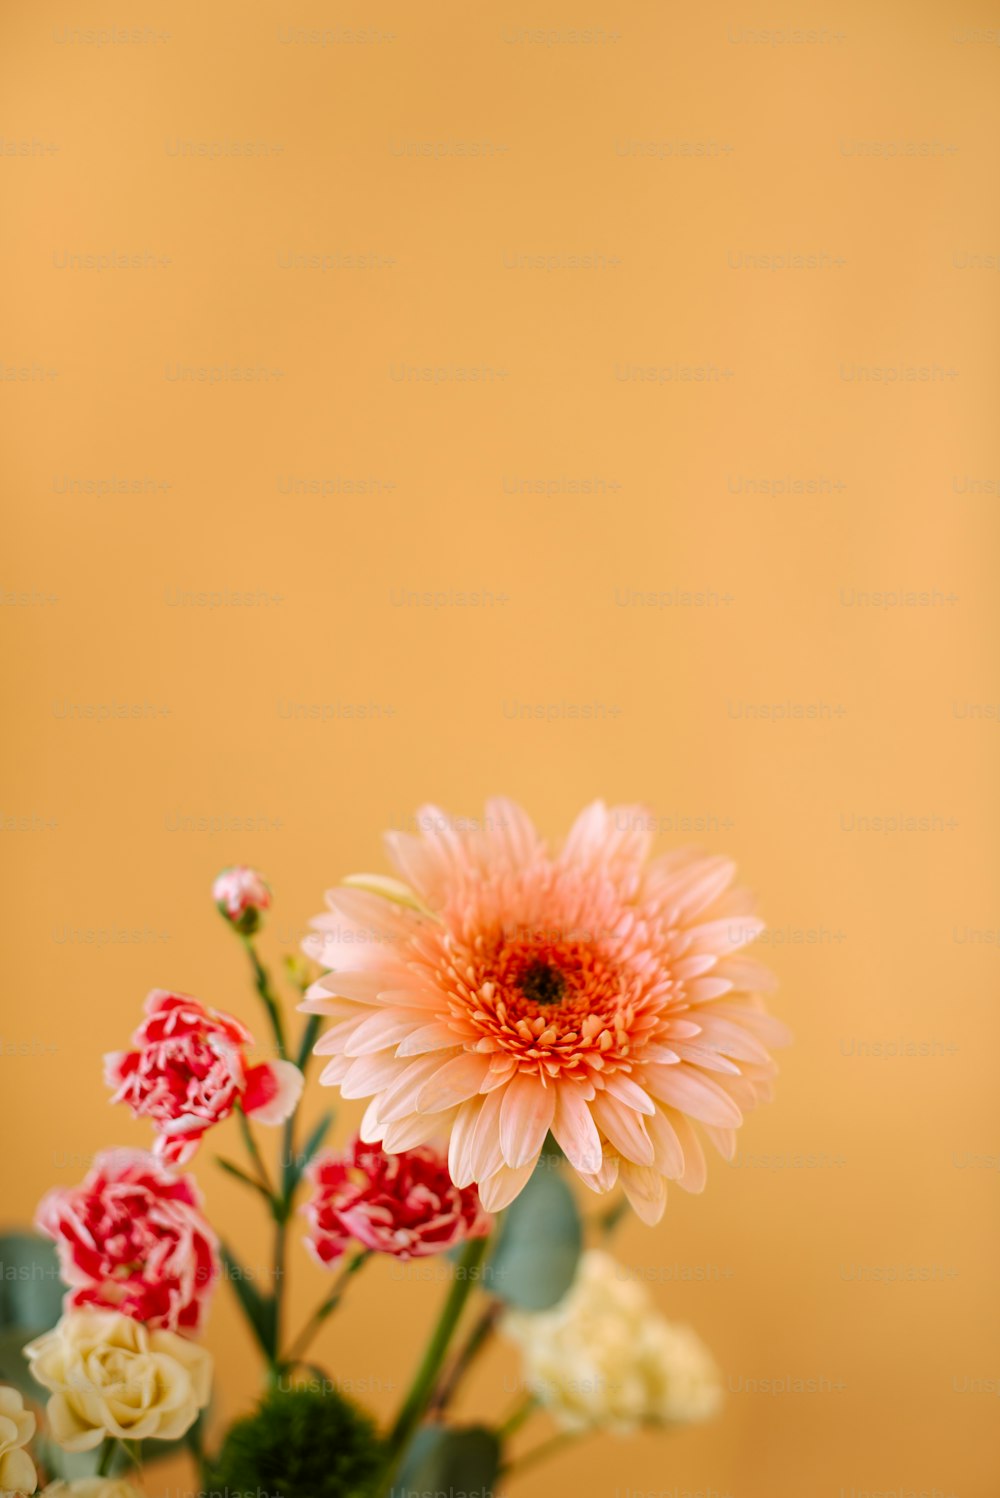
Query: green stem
point(540, 1453)
point(518, 1416)
point(302, 1341)
point(263, 985)
point(253, 1150)
point(284, 1207)
point(107, 1455)
point(467, 1354)
point(280, 1243)
point(427, 1374)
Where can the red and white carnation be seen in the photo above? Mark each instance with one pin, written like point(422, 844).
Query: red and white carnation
point(188, 1072)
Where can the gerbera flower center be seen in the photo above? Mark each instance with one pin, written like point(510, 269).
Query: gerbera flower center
point(558, 977)
point(542, 983)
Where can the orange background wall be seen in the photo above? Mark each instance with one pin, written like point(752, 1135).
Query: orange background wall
point(784, 487)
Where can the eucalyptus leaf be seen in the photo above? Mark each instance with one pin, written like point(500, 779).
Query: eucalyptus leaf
point(31, 1296)
point(538, 1248)
point(449, 1459)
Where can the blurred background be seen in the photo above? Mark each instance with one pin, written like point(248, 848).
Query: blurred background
point(410, 404)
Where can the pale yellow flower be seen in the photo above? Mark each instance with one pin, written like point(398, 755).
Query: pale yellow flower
point(604, 1356)
point(17, 1426)
point(110, 1375)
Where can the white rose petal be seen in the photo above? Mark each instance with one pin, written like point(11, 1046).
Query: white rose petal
point(109, 1375)
point(17, 1426)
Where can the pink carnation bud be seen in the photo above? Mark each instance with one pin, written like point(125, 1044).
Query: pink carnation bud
point(241, 894)
point(132, 1239)
point(188, 1072)
point(406, 1205)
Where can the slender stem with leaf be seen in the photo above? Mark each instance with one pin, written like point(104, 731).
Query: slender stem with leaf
point(521, 1413)
point(301, 1343)
point(540, 1453)
point(473, 1345)
point(266, 1313)
point(422, 1389)
point(262, 982)
point(253, 1150)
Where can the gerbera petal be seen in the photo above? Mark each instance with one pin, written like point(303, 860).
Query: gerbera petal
point(724, 1140)
point(333, 1041)
point(707, 1056)
point(453, 1082)
point(380, 1030)
point(418, 863)
point(766, 1027)
point(695, 1172)
point(500, 1189)
point(485, 1154)
point(690, 1091)
point(382, 919)
point(731, 1038)
point(463, 1130)
point(370, 1074)
point(603, 1180)
point(437, 1036)
point(722, 936)
point(646, 1190)
point(703, 989)
point(335, 1071)
point(365, 987)
point(511, 833)
point(401, 1097)
point(691, 890)
point(416, 1129)
point(747, 974)
point(625, 1128)
point(370, 1130)
point(525, 1115)
point(629, 1092)
point(575, 1131)
point(668, 1152)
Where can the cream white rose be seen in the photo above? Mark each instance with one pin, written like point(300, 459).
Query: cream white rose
point(112, 1376)
point(604, 1356)
point(17, 1426)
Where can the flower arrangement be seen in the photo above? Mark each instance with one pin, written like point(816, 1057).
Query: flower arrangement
point(516, 1020)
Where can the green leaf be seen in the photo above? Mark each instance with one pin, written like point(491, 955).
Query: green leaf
point(450, 1459)
point(31, 1291)
point(539, 1243)
point(241, 1175)
point(31, 1295)
point(310, 1034)
point(296, 1167)
point(260, 1309)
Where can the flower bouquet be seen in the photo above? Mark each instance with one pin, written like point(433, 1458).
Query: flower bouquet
point(518, 1021)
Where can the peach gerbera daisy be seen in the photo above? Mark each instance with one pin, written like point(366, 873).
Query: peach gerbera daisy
point(503, 991)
